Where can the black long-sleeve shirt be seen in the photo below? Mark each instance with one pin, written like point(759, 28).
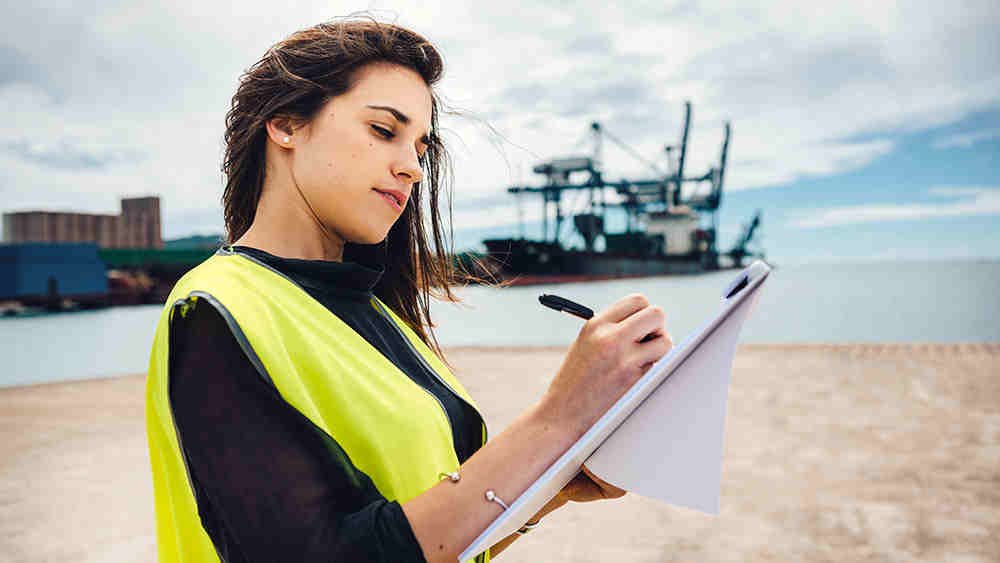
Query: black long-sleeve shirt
point(269, 484)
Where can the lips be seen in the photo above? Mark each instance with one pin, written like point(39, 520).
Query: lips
point(395, 197)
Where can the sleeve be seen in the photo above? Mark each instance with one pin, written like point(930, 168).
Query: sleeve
point(269, 485)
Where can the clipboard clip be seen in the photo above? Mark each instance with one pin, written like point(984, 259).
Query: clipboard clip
point(736, 285)
point(755, 270)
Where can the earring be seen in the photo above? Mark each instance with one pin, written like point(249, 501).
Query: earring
point(286, 139)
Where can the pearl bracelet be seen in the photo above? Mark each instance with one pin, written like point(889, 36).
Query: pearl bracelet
point(492, 497)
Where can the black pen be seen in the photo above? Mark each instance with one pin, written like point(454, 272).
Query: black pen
point(575, 309)
point(563, 304)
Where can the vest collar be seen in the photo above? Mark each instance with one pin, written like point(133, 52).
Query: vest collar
point(355, 277)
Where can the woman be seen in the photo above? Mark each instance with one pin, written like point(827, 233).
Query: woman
point(298, 407)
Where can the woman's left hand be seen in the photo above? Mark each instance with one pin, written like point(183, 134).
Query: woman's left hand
point(586, 487)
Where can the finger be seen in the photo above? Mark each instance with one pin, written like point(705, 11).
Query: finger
point(624, 308)
point(608, 489)
point(651, 320)
point(651, 352)
point(580, 487)
point(603, 484)
point(576, 483)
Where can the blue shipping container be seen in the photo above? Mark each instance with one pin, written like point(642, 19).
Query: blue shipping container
point(39, 268)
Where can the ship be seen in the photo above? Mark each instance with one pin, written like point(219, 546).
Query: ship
point(664, 233)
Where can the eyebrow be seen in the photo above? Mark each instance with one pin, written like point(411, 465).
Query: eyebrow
point(402, 118)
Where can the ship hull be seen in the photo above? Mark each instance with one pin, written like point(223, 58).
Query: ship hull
point(525, 262)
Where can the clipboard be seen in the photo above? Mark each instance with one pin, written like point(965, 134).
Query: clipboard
point(663, 438)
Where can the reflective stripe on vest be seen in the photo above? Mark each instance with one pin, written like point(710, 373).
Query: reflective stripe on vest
point(393, 430)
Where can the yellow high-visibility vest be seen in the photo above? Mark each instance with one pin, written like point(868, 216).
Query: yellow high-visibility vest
point(391, 428)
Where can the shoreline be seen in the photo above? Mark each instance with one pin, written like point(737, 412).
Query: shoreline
point(861, 452)
point(857, 348)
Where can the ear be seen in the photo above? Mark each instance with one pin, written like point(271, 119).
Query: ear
point(281, 132)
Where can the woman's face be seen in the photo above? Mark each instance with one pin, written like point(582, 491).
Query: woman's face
point(356, 161)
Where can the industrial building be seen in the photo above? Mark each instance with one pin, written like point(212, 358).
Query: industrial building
point(45, 274)
point(138, 226)
point(54, 259)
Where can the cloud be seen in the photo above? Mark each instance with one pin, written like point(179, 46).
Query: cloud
point(70, 154)
point(16, 67)
point(971, 201)
point(800, 89)
point(965, 140)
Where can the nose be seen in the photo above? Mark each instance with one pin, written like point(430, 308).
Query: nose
point(407, 168)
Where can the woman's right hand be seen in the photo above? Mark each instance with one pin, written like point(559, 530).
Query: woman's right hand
point(604, 361)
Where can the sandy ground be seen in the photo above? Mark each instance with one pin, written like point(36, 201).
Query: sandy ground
point(833, 452)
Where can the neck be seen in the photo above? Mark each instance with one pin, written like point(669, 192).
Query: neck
point(290, 230)
point(302, 250)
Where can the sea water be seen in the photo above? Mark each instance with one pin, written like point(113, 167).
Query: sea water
point(830, 303)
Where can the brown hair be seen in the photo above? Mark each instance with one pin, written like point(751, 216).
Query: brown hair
point(294, 79)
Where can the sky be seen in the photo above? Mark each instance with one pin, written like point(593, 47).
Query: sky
point(862, 131)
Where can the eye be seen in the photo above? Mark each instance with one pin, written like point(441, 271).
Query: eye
point(383, 132)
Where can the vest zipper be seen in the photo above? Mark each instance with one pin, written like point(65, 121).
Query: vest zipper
point(427, 366)
point(228, 250)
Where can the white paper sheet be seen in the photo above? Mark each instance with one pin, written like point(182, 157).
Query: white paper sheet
point(663, 439)
point(670, 448)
